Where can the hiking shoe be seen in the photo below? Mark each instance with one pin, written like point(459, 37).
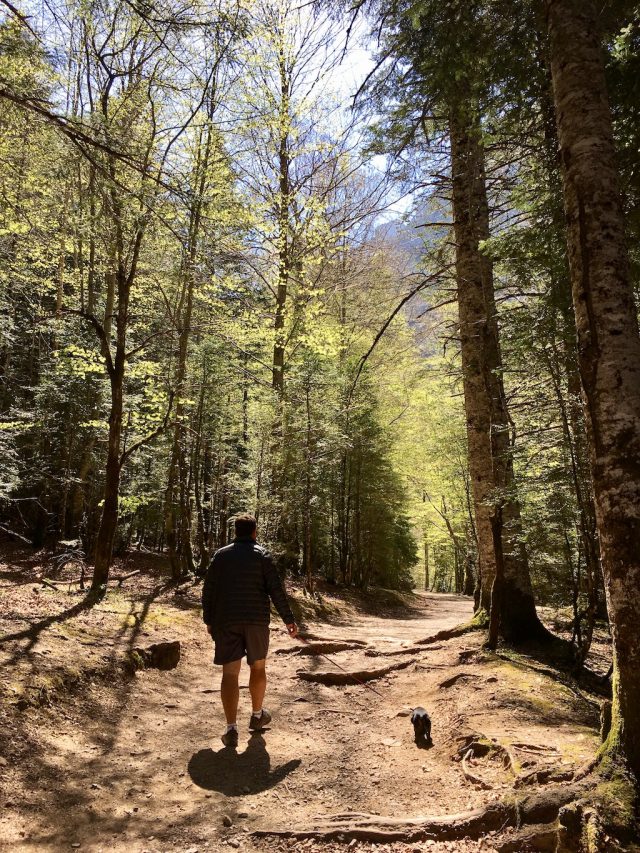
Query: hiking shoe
point(230, 738)
point(256, 723)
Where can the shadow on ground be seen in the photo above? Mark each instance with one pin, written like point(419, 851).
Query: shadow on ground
point(234, 774)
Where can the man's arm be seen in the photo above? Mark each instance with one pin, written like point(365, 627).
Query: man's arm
point(277, 594)
point(209, 594)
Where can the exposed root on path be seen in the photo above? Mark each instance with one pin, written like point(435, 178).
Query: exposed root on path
point(309, 635)
point(449, 682)
point(544, 776)
point(374, 653)
point(478, 746)
point(452, 633)
point(542, 837)
point(333, 679)
point(471, 777)
point(320, 648)
point(533, 809)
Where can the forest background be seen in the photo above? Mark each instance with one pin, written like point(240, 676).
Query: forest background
point(210, 303)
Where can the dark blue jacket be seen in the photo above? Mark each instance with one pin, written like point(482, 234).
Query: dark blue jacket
point(240, 582)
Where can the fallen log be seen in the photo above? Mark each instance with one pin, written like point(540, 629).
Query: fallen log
point(122, 578)
point(119, 579)
point(70, 582)
point(17, 536)
point(335, 679)
point(533, 809)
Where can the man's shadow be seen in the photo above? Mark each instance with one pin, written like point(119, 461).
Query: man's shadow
point(232, 773)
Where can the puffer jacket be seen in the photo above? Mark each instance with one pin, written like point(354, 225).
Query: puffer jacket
point(240, 582)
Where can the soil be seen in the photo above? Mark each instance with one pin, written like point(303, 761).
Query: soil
point(95, 758)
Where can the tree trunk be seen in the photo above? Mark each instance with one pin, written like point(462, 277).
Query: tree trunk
point(468, 198)
point(109, 518)
point(284, 192)
point(488, 423)
point(608, 338)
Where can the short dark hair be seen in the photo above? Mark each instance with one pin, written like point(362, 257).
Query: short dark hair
point(245, 524)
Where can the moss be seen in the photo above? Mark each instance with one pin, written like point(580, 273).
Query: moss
point(480, 619)
point(135, 661)
point(157, 616)
point(615, 796)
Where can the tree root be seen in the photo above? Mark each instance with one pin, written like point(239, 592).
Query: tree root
point(533, 748)
point(541, 837)
point(308, 635)
point(449, 682)
point(469, 776)
point(450, 633)
point(546, 776)
point(478, 746)
point(333, 679)
point(374, 653)
point(532, 809)
point(319, 648)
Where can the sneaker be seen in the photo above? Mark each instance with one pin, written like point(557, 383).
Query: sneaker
point(257, 723)
point(230, 738)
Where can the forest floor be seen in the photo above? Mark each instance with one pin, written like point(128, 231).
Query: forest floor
point(97, 760)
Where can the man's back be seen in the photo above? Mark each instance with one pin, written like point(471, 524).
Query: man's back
point(239, 583)
point(235, 606)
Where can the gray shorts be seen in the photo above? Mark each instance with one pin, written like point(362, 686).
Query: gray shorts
point(233, 642)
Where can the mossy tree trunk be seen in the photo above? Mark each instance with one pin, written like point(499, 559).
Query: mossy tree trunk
point(488, 424)
point(608, 338)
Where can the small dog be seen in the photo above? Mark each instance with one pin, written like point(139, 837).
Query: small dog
point(421, 722)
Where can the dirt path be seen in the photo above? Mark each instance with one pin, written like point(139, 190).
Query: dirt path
point(142, 768)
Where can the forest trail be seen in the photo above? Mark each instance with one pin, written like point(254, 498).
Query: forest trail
point(139, 766)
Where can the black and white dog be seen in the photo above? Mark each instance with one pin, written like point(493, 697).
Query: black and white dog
point(422, 727)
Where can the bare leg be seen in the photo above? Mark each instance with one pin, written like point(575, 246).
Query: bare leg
point(229, 690)
point(257, 684)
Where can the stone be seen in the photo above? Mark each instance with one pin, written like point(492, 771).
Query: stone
point(226, 820)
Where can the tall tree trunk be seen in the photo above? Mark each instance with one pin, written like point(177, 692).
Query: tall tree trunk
point(488, 425)
point(109, 518)
point(608, 338)
point(284, 198)
point(468, 200)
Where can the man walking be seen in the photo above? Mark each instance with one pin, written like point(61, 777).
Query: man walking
point(241, 581)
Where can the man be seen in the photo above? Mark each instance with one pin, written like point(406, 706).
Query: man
point(241, 581)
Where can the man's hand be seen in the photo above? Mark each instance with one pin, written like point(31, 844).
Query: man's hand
point(293, 630)
point(210, 630)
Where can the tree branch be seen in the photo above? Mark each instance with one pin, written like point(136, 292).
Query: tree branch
point(156, 432)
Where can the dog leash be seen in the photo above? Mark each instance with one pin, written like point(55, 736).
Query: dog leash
point(334, 663)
